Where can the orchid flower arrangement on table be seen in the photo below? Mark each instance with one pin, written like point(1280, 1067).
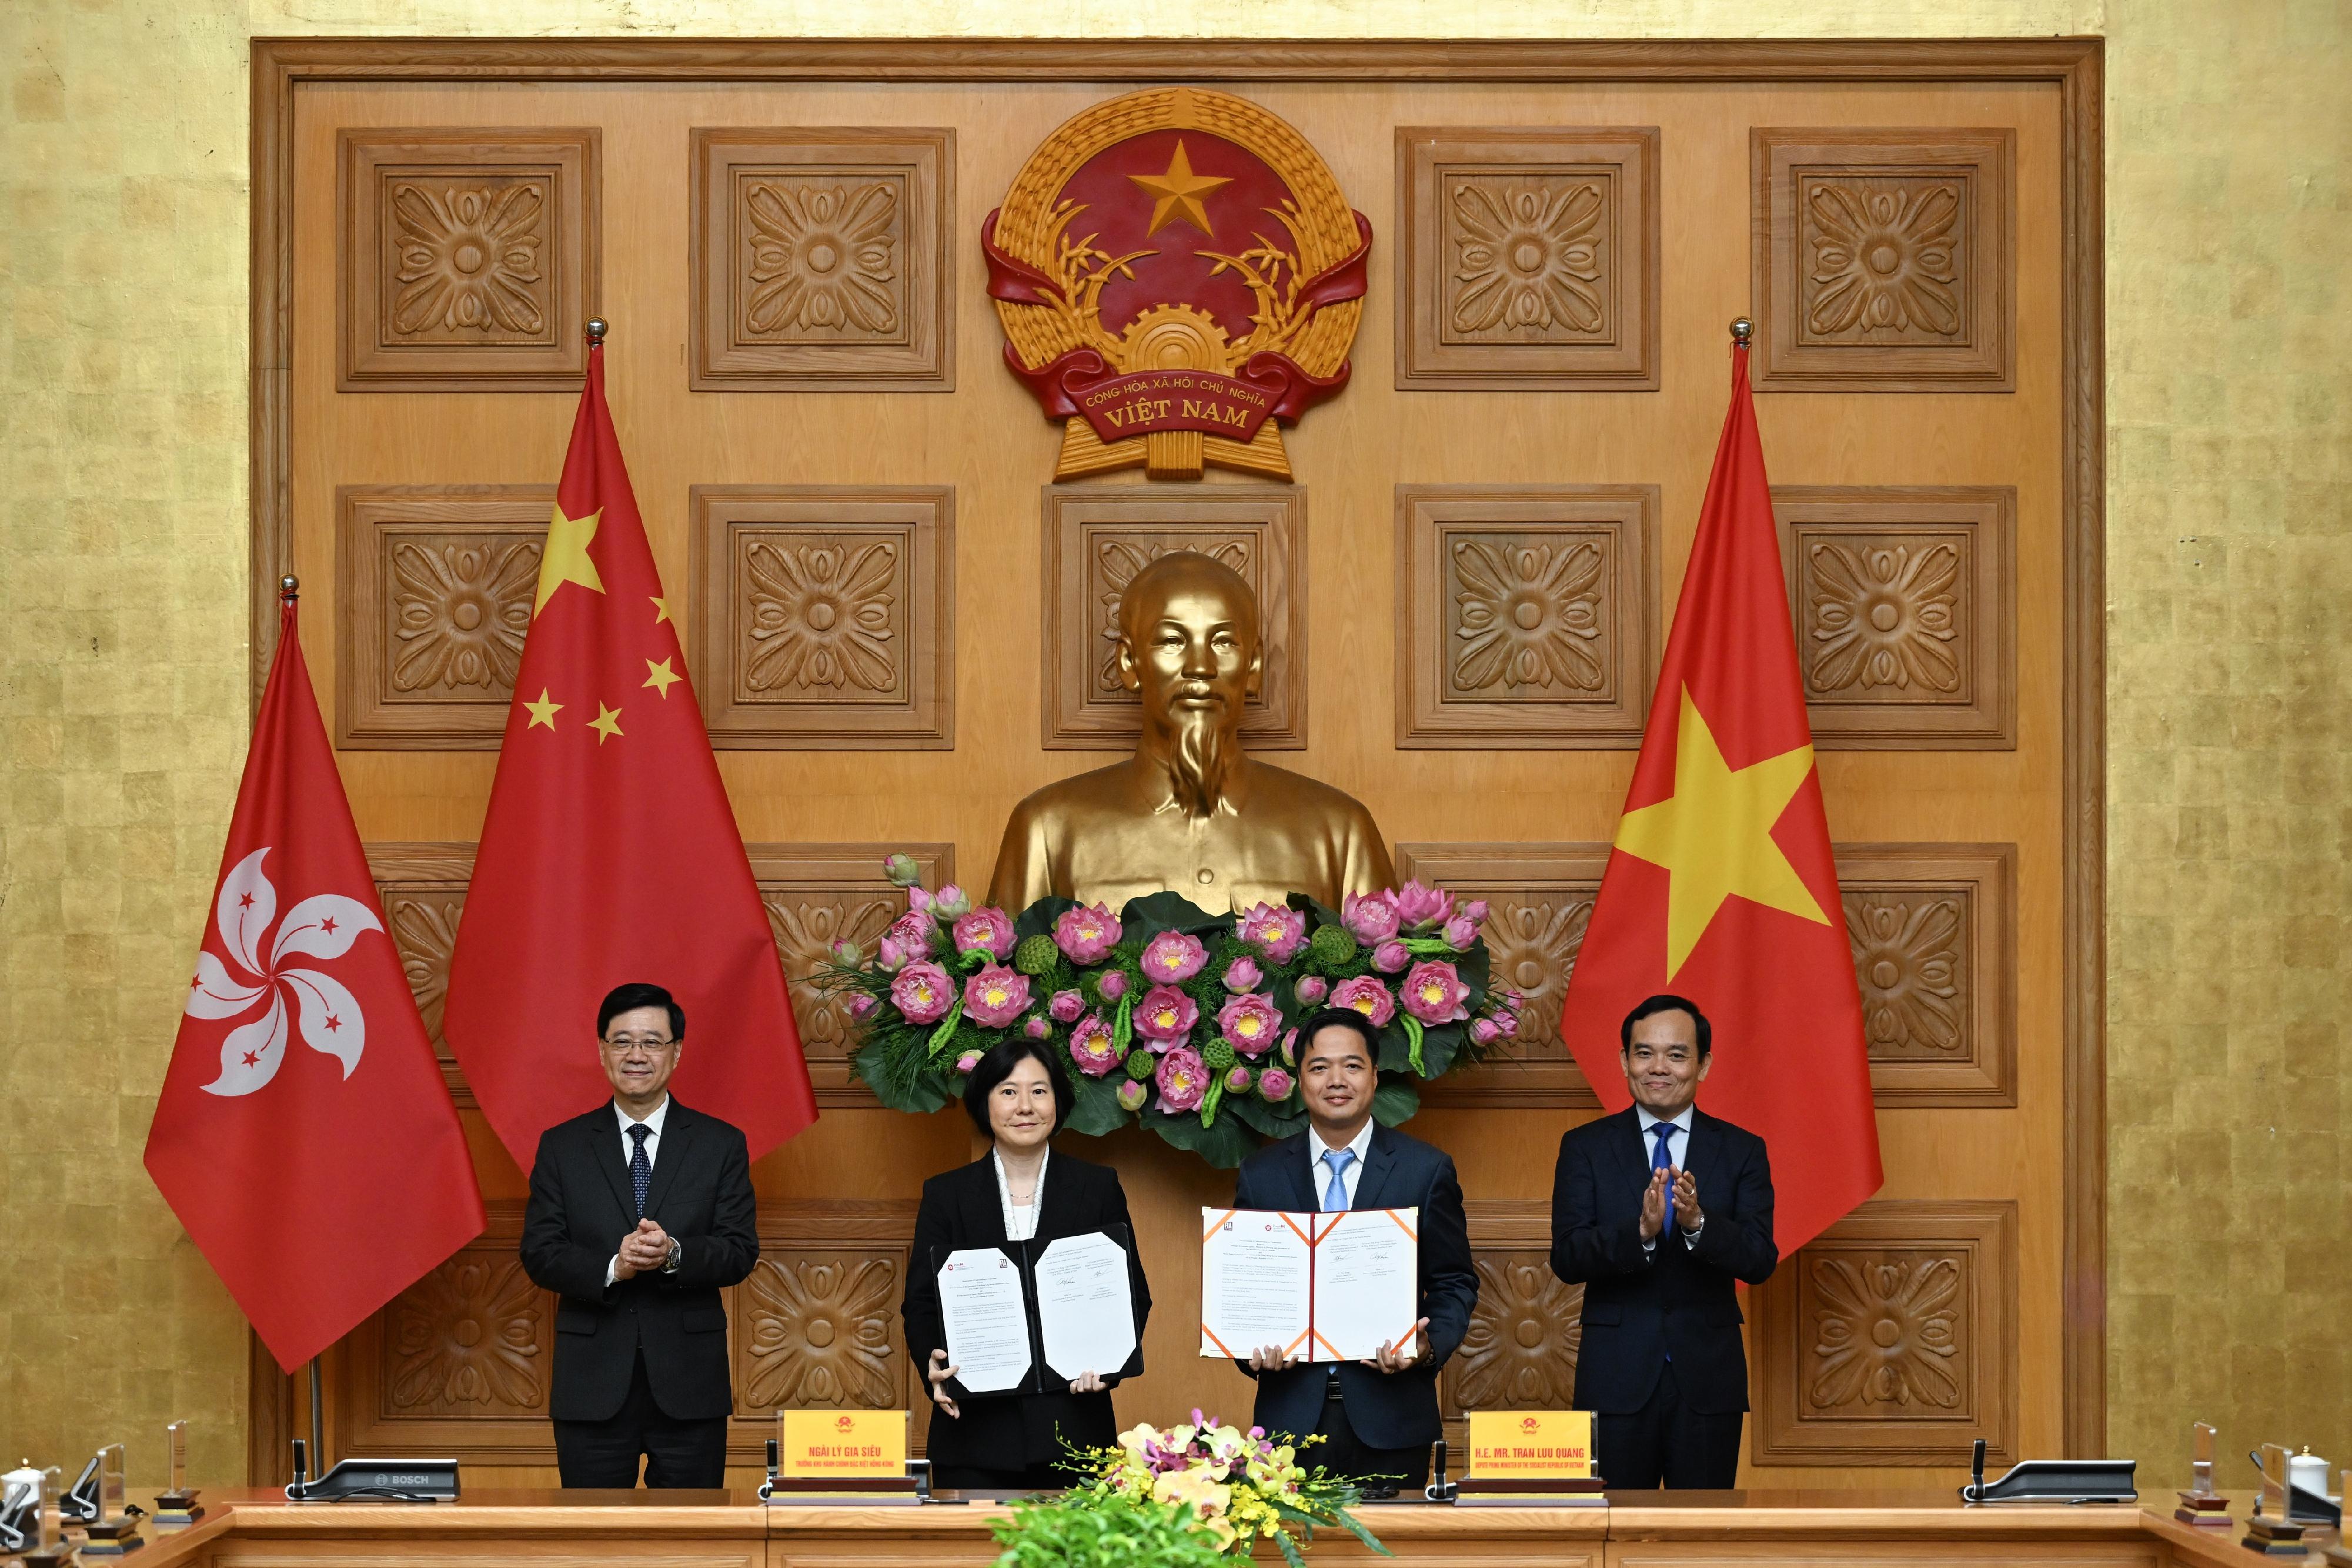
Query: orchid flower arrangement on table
point(1244, 1487)
point(1184, 1020)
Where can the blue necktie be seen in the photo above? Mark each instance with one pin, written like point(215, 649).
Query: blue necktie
point(1664, 1161)
point(641, 1169)
point(1335, 1195)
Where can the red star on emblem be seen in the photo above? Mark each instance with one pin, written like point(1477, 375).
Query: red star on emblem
point(333, 1023)
point(244, 901)
point(328, 924)
point(253, 1059)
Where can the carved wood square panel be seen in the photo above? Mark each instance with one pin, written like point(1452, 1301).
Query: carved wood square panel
point(823, 259)
point(1885, 260)
point(1906, 606)
point(823, 616)
point(1892, 1339)
point(1519, 1353)
point(1934, 931)
point(1096, 540)
point(433, 590)
point(1529, 261)
point(816, 1323)
point(421, 887)
point(467, 260)
point(1539, 899)
point(1528, 615)
point(817, 895)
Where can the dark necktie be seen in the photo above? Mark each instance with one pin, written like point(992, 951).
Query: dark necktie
point(1660, 1161)
point(641, 1169)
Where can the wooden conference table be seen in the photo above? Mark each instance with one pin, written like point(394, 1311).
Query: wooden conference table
point(256, 1529)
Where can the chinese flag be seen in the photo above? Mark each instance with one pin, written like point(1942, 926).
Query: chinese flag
point(304, 1136)
point(610, 853)
point(1720, 887)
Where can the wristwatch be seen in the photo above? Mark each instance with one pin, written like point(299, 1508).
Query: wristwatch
point(669, 1265)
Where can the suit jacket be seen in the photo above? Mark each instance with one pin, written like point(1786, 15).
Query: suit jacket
point(1387, 1409)
point(582, 1204)
point(1676, 1300)
point(961, 1208)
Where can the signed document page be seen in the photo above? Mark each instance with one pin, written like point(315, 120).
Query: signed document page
point(987, 1319)
point(1367, 1282)
point(1256, 1281)
point(1085, 1307)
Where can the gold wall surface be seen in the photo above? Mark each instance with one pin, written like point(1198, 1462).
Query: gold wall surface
point(123, 697)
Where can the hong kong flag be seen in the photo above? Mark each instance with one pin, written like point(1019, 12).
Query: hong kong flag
point(1721, 886)
point(610, 853)
point(304, 1136)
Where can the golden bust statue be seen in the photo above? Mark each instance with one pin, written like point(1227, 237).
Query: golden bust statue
point(1189, 811)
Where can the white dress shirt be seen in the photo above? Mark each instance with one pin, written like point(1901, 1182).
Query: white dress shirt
point(1020, 1219)
point(654, 1120)
point(1677, 1154)
point(1320, 1174)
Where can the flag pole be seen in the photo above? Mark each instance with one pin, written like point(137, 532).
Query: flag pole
point(290, 590)
point(1741, 330)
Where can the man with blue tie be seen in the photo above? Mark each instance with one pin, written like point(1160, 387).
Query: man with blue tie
point(1377, 1417)
point(641, 1212)
point(1655, 1211)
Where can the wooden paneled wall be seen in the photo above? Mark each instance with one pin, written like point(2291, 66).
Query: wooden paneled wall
point(897, 623)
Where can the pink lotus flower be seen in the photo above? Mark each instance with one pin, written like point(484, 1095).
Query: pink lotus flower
point(1272, 930)
point(1485, 1032)
point(901, 870)
point(1290, 1048)
point(1238, 1082)
point(1476, 911)
point(1420, 907)
point(860, 1005)
point(1066, 1005)
point(951, 903)
point(922, 992)
point(1391, 959)
point(996, 996)
point(1367, 996)
point(1370, 916)
point(1459, 933)
point(1244, 975)
point(1274, 1085)
point(913, 931)
point(1435, 994)
point(1112, 986)
point(845, 951)
point(1167, 1015)
point(1172, 955)
point(1251, 1023)
point(988, 931)
point(1038, 1027)
point(1508, 1022)
point(967, 1061)
point(1183, 1080)
point(890, 956)
point(919, 900)
point(1092, 1047)
point(1086, 933)
point(1131, 1096)
point(1311, 989)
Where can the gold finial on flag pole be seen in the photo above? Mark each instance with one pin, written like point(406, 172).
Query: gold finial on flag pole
point(597, 327)
point(289, 589)
point(1741, 330)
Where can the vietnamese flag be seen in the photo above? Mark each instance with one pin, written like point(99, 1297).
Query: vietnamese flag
point(304, 1135)
point(610, 853)
point(1720, 887)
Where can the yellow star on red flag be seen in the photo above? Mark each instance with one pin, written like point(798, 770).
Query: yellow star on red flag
point(606, 723)
point(565, 559)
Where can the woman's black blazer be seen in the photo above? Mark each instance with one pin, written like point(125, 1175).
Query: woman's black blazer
point(961, 1208)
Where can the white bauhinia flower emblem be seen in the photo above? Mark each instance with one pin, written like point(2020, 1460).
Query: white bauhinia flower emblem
point(323, 926)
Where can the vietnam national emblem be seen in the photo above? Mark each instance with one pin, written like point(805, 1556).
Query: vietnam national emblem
point(1178, 276)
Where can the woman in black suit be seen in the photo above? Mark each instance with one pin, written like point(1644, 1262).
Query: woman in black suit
point(1018, 1096)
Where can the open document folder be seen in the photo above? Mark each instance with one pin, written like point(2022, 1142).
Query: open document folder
point(1323, 1287)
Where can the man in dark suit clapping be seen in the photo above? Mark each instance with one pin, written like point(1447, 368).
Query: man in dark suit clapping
point(641, 1212)
point(1378, 1418)
point(1655, 1211)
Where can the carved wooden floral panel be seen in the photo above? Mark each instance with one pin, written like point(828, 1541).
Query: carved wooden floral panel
point(1529, 259)
point(821, 260)
point(1885, 260)
point(1932, 929)
point(817, 895)
point(1528, 615)
point(823, 615)
point(1519, 1352)
point(820, 1329)
point(1892, 1339)
point(1905, 598)
point(468, 259)
point(1096, 540)
point(434, 588)
point(421, 887)
point(1540, 900)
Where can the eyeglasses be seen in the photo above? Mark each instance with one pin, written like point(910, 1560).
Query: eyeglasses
point(628, 1043)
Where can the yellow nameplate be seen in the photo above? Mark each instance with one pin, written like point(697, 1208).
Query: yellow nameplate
point(1532, 1444)
point(843, 1445)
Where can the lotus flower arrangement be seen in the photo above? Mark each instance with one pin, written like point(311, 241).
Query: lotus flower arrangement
point(1182, 1019)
